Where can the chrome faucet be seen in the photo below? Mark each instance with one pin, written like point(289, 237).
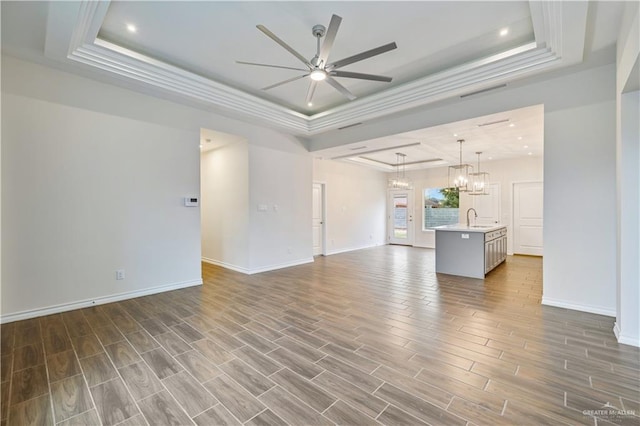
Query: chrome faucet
point(474, 212)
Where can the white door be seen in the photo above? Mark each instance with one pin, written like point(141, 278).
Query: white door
point(488, 206)
point(401, 217)
point(527, 218)
point(318, 219)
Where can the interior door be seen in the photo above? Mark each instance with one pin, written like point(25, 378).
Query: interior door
point(318, 219)
point(488, 206)
point(527, 218)
point(401, 217)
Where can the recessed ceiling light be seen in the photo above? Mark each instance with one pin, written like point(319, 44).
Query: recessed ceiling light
point(526, 146)
point(519, 138)
point(512, 125)
point(504, 32)
point(310, 104)
point(200, 145)
point(529, 153)
point(490, 158)
point(132, 28)
point(455, 135)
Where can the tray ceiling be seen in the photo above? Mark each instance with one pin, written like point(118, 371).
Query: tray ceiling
point(445, 49)
point(187, 50)
point(500, 136)
point(207, 38)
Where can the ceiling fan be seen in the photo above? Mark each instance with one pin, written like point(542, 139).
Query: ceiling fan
point(318, 67)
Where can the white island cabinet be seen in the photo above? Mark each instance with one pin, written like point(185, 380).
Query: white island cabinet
point(470, 251)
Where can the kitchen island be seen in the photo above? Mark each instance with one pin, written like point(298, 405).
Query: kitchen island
point(470, 251)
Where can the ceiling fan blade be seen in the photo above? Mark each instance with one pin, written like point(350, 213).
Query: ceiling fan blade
point(311, 91)
point(361, 76)
point(340, 88)
point(283, 44)
point(285, 82)
point(329, 38)
point(270, 66)
point(361, 56)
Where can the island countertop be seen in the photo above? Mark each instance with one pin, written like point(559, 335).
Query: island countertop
point(461, 227)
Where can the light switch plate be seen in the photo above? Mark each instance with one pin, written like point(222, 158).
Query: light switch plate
point(191, 201)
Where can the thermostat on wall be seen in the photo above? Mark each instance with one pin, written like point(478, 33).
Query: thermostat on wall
point(191, 201)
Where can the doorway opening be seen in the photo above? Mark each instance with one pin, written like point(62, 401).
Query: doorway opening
point(400, 217)
point(318, 221)
point(527, 218)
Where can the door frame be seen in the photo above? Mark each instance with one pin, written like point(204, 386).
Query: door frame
point(410, 211)
point(512, 240)
point(323, 200)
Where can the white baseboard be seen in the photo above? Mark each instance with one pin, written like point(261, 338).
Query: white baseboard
point(424, 246)
point(64, 307)
point(576, 307)
point(616, 330)
point(625, 340)
point(226, 265)
point(345, 250)
point(281, 265)
point(257, 270)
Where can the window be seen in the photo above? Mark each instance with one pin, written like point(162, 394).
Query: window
point(440, 207)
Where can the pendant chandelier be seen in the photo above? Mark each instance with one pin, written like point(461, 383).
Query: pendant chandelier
point(479, 181)
point(400, 181)
point(459, 175)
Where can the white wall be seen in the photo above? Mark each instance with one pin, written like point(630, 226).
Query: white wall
point(503, 172)
point(53, 245)
point(355, 205)
point(579, 200)
point(627, 327)
point(86, 193)
point(238, 178)
point(628, 267)
point(225, 206)
point(280, 236)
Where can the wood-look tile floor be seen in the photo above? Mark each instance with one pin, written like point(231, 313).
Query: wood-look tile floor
point(367, 337)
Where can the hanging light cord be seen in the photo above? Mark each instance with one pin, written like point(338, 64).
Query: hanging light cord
point(403, 166)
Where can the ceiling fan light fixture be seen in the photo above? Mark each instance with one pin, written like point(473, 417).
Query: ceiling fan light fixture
point(318, 67)
point(318, 75)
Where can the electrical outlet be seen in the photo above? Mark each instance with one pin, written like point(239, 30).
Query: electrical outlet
point(120, 274)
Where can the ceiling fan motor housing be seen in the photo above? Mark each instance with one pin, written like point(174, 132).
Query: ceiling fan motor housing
point(318, 68)
point(318, 30)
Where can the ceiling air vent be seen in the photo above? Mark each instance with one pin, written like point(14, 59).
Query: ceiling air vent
point(350, 125)
point(389, 148)
point(490, 123)
point(477, 92)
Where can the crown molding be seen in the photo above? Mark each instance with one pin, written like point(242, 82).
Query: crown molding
point(559, 29)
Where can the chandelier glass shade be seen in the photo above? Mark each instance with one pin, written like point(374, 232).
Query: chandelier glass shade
point(400, 181)
point(479, 181)
point(459, 175)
